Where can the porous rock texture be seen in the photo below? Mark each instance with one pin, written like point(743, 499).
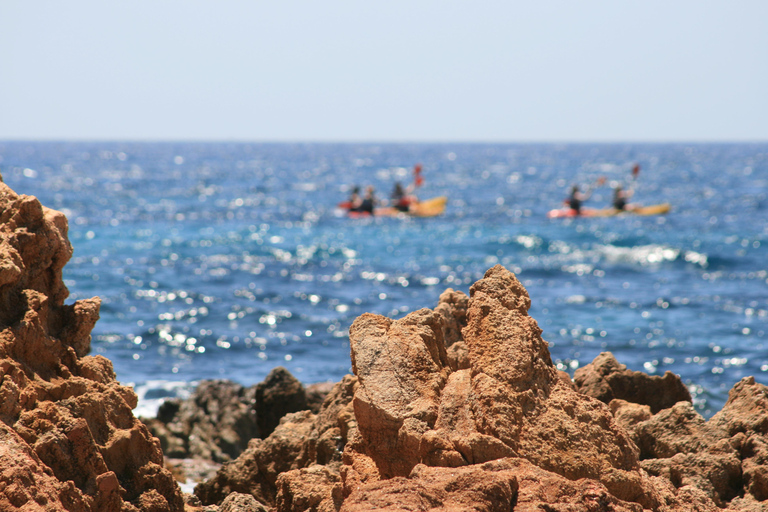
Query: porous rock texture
point(495, 427)
point(606, 379)
point(68, 437)
point(221, 417)
point(298, 463)
point(214, 424)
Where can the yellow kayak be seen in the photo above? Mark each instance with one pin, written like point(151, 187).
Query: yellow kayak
point(427, 208)
point(654, 209)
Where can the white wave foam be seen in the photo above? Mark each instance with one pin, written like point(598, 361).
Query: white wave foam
point(652, 254)
point(697, 258)
point(529, 241)
point(154, 392)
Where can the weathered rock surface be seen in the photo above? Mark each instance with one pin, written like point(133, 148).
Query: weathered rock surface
point(216, 423)
point(411, 408)
point(503, 429)
point(606, 379)
point(300, 440)
point(279, 394)
point(69, 438)
point(726, 457)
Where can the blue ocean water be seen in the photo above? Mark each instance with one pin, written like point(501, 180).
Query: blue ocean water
point(224, 260)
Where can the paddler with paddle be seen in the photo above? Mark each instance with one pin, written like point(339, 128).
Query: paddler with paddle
point(622, 195)
point(404, 198)
point(577, 198)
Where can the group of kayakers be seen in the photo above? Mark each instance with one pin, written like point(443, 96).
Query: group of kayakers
point(362, 204)
point(620, 200)
point(402, 198)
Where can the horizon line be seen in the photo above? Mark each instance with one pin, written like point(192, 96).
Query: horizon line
point(195, 140)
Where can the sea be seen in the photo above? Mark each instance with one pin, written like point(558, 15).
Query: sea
point(224, 260)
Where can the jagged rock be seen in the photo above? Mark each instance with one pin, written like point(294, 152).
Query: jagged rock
point(412, 408)
point(500, 485)
point(238, 502)
point(629, 415)
point(458, 356)
point(334, 420)
point(467, 488)
point(26, 482)
point(459, 408)
point(70, 440)
point(215, 423)
point(256, 470)
point(746, 410)
point(221, 417)
point(301, 440)
point(452, 307)
point(316, 394)
point(279, 394)
point(316, 488)
point(726, 457)
point(679, 429)
point(606, 379)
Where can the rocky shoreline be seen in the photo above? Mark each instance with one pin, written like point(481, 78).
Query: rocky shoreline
point(453, 408)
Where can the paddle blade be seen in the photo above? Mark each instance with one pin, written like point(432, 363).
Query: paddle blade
point(418, 179)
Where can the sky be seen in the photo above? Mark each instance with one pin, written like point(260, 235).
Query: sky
point(394, 71)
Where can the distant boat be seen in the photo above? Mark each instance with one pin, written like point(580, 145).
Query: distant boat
point(427, 208)
point(655, 209)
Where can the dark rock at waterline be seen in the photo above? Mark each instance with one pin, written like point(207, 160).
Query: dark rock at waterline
point(215, 423)
point(279, 394)
point(301, 440)
point(221, 417)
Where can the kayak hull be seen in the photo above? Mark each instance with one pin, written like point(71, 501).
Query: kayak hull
point(427, 208)
point(655, 209)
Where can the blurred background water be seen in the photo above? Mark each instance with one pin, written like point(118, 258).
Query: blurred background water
point(224, 260)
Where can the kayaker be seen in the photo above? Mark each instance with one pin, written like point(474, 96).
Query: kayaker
point(620, 197)
point(355, 201)
point(369, 201)
point(576, 198)
point(403, 198)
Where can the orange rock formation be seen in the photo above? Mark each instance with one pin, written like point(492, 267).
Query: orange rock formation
point(69, 440)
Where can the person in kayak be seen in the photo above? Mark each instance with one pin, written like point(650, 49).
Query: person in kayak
point(403, 198)
point(368, 203)
point(355, 201)
point(620, 197)
point(577, 198)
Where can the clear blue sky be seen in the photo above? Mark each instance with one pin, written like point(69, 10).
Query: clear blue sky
point(344, 70)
